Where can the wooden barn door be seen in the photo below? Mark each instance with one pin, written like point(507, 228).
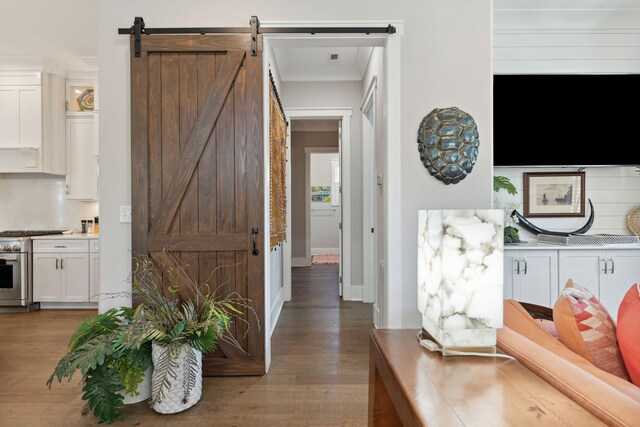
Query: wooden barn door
point(197, 173)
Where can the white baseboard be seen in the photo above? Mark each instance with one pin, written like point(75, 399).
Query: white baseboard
point(325, 251)
point(352, 293)
point(300, 261)
point(276, 309)
point(69, 305)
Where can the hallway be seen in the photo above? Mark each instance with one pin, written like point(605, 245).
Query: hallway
point(318, 375)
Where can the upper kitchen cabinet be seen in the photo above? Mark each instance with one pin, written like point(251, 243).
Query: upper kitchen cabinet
point(32, 122)
point(82, 139)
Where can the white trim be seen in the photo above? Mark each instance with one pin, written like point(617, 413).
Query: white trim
point(392, 309)
point(276, 309)
point(356, 292)
point(325, 251)
point(266, 225)
point(343, 114)
point(299, 262)
point(286, 247)
point(369, 204)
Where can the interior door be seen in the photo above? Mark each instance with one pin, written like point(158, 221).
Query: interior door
point(197, 174)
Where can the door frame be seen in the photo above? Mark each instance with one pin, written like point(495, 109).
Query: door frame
point(344, 115)
point(392, 173)
point(369, 194)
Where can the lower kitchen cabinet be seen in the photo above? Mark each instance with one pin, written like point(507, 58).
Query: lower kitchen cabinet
point(60, 277)
point(531, 276)
point(65, 276)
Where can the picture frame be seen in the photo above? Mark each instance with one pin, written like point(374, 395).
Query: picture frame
point(554, 194)
point(80, 97)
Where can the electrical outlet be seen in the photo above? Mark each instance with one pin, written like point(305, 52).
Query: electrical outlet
point(125, 214)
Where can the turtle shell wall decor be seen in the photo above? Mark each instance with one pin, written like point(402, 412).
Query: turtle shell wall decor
point(448, 144)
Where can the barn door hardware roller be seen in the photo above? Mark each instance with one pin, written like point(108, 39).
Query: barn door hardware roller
point(138, 29)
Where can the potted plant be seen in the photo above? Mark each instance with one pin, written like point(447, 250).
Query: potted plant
point(180, 332)
point(503, 183)
point(109, 370)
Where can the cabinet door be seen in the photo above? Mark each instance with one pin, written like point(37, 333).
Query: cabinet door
point(623, 270)
point(82, 168)
point(94, 277)
point(510, 272)
point(9, 117)
point(46, 277)
point(584, 267)
point(75, 277)
point(538, 282)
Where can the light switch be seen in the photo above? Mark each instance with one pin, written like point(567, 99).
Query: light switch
point(125, 214)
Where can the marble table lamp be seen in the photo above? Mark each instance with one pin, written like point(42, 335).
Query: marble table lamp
point(460, 275)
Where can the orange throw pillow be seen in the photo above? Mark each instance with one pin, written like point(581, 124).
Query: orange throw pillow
point(585, 327)
point(629, 332)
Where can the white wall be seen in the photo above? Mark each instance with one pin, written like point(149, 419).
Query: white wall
point(564, 36)
point(345, 94)
point(325, 218)
point(446, 60)
point(38, 201)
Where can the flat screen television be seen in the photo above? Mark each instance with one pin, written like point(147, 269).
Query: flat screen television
point(557, 120)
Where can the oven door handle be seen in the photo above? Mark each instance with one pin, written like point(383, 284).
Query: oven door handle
point(9, 258)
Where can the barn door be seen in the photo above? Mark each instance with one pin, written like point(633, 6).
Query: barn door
point(197, 180)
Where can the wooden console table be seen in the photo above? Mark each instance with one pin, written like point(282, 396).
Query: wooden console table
point(411, 386)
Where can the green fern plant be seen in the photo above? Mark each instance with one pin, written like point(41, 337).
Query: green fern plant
point(107, 368)
point(198, 322)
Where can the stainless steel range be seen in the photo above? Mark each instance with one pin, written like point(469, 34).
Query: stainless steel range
point(16, 284)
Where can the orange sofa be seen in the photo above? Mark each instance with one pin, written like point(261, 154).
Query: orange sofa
point(610, 398)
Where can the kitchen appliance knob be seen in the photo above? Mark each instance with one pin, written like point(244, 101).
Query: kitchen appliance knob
point(16, 248)
point(6, 248)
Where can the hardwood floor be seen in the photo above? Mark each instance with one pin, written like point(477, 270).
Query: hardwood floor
point(318, 374)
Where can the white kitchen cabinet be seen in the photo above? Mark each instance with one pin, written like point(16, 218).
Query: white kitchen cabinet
point(94, 270)
point(61, 270)
point(531, 276)
point(61, 277)
point(82, 159)
point(608, 273)
point(32, 112)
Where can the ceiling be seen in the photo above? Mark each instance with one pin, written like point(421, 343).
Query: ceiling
point(314, 63)
point(62, 30)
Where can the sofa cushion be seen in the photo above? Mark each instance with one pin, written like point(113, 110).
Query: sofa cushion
point(612, 406)
point(628, 332)
point(518, 319)
point(585, 326)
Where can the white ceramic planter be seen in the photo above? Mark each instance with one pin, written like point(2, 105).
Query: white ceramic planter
point(144, 389)
point(182, 371)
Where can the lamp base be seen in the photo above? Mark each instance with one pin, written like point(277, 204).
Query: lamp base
point(448, 351)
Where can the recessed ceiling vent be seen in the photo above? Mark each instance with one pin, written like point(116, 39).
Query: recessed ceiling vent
point(333, 57)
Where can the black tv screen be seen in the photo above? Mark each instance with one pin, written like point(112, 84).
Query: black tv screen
point(557, 120)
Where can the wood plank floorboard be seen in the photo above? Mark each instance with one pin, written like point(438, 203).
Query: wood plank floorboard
point(318, 374)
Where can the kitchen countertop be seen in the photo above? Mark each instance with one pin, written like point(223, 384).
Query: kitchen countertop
point(534, 244)
point(67, 236)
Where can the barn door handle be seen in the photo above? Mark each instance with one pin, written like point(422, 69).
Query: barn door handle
point(254, 232)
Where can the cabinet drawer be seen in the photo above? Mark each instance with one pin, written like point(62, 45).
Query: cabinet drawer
point(60, 246)
point(94, 245)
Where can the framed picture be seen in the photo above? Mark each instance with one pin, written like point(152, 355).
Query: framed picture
point(80, 97)
point(553, 194)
